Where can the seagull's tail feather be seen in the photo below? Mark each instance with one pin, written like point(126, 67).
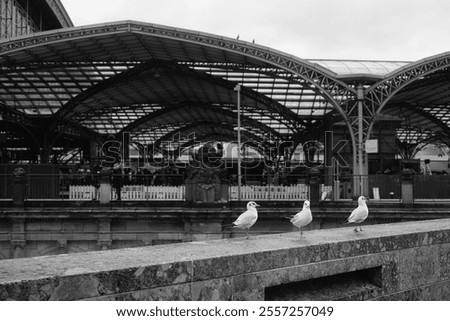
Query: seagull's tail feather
point(345, 222)
point(289, 217)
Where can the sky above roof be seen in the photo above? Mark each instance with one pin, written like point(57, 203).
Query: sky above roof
point(390, 30)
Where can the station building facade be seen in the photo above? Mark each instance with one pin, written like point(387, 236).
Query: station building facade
point(155, 99)
point(67, 90)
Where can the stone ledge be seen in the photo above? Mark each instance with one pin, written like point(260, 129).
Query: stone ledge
point(109, 273)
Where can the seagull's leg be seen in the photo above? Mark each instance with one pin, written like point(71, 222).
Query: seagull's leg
point(301, 232)
point(248, 235)
point(360, 228)
point(356, 229)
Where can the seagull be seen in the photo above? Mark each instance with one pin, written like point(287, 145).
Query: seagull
point(247, 219)
point(302, 218)
point(359, 214)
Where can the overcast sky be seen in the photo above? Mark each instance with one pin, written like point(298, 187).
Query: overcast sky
point(400, 30)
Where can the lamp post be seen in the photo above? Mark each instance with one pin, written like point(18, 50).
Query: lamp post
point(238, 90)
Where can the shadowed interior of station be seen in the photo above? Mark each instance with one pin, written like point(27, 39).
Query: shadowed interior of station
point(400, 261)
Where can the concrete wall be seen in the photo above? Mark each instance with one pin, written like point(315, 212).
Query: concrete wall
point(47, 231)
point(42, 231)
point(38, 232)
point(399, 261)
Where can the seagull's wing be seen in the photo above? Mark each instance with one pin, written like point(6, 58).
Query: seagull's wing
point(303, 218)
point(246, 219)
point(297, 216)
point(352, 216)
point(358, 215)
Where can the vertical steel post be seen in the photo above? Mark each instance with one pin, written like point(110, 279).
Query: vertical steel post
point(360, 136)
point(238, 90)
point(361, 168)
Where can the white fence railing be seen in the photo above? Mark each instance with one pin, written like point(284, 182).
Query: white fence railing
point(177, 193)
point(82, 192)
point(161, 193)
point(135, 192)
point(282, 193)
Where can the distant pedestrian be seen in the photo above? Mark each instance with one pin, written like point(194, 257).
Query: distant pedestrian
point(117, 180)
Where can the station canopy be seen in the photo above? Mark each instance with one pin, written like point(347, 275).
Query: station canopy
point(423, 107)
point(165, 84)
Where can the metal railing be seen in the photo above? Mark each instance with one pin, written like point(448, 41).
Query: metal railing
point(431, 187)
point(172, 187)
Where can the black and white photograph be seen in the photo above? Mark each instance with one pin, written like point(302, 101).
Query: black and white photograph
point(291, 154)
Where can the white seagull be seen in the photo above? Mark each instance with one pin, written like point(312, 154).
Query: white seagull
point(302, 218)
point(247, 219)
point(359, 214)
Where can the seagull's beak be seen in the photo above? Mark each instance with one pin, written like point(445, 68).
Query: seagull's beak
point(256, 204)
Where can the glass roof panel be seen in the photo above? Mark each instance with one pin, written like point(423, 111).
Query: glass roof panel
point(345, 67)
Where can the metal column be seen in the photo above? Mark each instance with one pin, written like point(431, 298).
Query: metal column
point(238, 90)
point(360, 165)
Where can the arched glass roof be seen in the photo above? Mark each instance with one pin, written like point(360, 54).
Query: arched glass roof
point(158, 82)
point(108, 78)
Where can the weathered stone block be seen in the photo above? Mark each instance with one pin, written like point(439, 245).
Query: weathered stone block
point(180, 292)
point(418, 266)
point(212, 290)
point(404, 261)
point(444, 262)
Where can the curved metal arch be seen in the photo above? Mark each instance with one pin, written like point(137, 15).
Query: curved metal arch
point(245, 120)
point(282, 110)
point(379, 94)
point(252, 94)
point(169, 137)
point(190, 127)
point(65, 111)
point(230, 137)
point(416, 108)
point(431, 139)
point(317, 75)
point(334, 90)
point(272, 106)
